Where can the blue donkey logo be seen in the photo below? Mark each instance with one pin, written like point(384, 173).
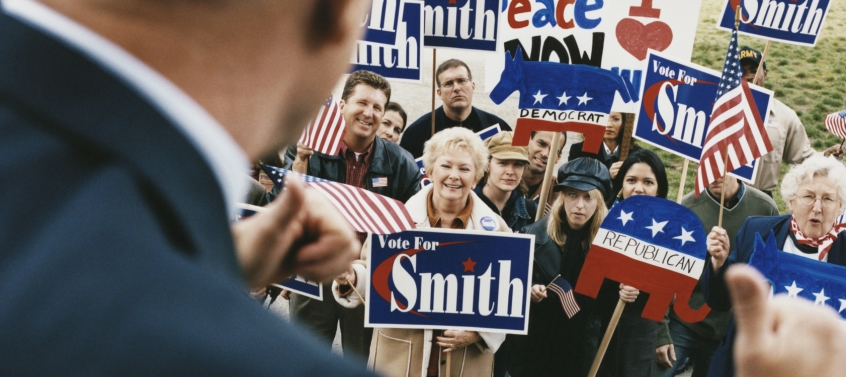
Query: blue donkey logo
point(560, 97)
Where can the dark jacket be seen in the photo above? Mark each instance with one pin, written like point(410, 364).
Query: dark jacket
point(520, 211)
point(421, 130)
point(714, 284)
point(389, 160)
point(556, 345)
point(118, 271)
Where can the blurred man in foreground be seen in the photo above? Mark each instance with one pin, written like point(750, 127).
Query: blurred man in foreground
point(147, 113)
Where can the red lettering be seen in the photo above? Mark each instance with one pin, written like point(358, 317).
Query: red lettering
point(559, 14)
point(518, 7)
point(645, 10)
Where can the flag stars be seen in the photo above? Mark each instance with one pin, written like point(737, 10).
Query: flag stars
point(563, 99)
point(842, 305)
point(584, 99)
point(793, 290)
point(685, 236)
point(625, 217)
point(821, 297)
point(657, 227)
point(539, 97)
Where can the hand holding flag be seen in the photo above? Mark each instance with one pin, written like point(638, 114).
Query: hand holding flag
point(737, 135)
point(367, 212)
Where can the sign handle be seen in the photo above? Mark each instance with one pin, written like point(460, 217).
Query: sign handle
point(448, 363)
point(627, 137)
point(682, 181)
point(757, 81)
point(618, 311)
point(434, 69)
point(356, 292)
point(547, 177)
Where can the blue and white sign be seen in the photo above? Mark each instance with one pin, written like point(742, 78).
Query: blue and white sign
point(791, 21)
point(304, 287)
point(401, 59)
point(442, 279)
point(462, 24)
point(382, 21)
point(675, 114)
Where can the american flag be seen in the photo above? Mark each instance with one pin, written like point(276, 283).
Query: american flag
point(561, 287)
point(324, 133)
point(367, 212)
point(836, 123)
point(736, 127)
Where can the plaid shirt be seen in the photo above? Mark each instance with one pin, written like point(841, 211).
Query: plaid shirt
point(356, 169)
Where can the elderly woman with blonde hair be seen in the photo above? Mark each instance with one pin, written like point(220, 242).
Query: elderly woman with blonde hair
point(814, 192)
point(455, 159)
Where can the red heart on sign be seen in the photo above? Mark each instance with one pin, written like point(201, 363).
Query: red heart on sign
point(636, 38)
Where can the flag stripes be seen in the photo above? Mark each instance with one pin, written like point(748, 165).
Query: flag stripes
point(324, 133)
point(736, 127)
point(366, 211)
point(561, 287)
point(836, 123)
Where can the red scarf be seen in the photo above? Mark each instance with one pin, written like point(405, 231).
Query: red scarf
point(823, 244)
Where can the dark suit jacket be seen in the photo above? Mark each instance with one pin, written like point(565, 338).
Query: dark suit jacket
point(116, 256)
point(714, 286)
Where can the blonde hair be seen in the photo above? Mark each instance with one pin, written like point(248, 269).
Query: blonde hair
point(557, 224)
point(455, 139)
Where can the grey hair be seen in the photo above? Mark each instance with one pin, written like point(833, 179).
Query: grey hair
point(454, 139)
point(816, 165)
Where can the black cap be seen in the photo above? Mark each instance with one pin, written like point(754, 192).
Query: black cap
point(584, 174)
point(749, 53)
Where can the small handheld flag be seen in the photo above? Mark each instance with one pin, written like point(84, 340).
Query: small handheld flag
point(324, 133)
point(561, 287)
point(366, 211)
point(836, 123)
point(736, 127)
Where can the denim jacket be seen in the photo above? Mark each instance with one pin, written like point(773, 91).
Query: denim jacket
point(522, 214)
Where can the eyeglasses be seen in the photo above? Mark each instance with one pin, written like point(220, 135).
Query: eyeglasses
point(461, 81)
point(826, 202)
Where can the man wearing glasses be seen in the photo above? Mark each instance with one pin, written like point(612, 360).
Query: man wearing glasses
point(455, 87)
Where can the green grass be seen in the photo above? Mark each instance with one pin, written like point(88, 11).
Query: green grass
point(808, 80)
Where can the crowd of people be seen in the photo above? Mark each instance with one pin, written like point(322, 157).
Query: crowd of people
point(129, 269)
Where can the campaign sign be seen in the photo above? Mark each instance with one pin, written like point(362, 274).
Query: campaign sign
point(654, 245)
point(613, 35)
point(798, 276)
point(560, 97)
point(790, 21)
point(401, 59)
point(447, 279)
point(382, 21)
point(484, 134)
point(462, 24)
point(678, 98)
point(304, 287)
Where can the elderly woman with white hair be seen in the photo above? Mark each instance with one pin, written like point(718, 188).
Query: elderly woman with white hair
point(455, 159)
point(814, 192)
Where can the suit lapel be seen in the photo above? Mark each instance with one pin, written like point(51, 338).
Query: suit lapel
point(67, 94)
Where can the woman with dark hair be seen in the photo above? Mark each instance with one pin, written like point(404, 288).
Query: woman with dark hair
point(558, 345)
point(632, 348)
point(609, 154)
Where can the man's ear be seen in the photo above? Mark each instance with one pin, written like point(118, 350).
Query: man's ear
point(333, 20)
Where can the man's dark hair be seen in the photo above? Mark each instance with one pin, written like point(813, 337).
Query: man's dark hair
point(368, 78)
point(393, 106)
point(451, 63)
point(532, 136)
